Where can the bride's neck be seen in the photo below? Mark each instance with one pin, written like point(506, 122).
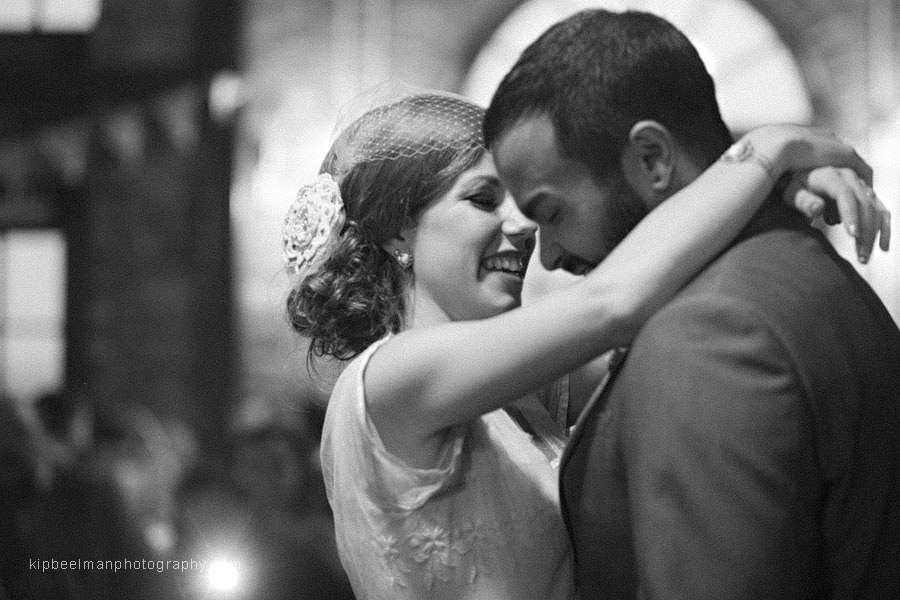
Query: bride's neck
point(423, 311)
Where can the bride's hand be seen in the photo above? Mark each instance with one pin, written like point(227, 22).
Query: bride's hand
point(839, 195)
point(835, 181)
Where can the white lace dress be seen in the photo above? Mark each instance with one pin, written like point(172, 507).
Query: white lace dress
point(483, 523)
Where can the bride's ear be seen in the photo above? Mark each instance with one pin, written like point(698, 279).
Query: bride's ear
point(395, 244)
point(402, 242)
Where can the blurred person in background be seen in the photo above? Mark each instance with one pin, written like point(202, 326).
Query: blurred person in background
point(274, 467)
point(439, 457)
point(262, 509)
point(62, 499)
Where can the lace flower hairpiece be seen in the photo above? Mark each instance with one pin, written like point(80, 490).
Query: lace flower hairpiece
point(313, 225)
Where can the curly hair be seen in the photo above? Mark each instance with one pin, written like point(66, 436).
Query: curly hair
point(389, 164)
point(354, 299)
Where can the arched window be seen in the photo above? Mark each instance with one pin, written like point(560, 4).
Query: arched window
point(757, 79)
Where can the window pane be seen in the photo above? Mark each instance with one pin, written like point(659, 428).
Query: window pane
point(16, 15)
point(69, 16)
point(32, 345)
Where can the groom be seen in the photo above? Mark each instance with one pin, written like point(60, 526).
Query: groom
point(749, 444)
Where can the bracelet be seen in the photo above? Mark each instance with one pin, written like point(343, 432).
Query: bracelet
point(743, 151)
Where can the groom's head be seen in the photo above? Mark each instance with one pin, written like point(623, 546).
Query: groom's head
point(603, 116)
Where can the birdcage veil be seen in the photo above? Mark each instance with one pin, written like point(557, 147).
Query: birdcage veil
point(395, 120)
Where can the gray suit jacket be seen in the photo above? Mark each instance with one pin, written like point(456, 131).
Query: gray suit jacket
point(749, 445)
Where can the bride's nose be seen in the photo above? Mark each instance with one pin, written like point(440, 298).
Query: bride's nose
point(516, 226)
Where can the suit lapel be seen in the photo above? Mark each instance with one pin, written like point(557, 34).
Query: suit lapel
point(595, 403)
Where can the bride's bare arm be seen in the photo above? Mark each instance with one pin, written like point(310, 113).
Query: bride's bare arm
point(424, 380)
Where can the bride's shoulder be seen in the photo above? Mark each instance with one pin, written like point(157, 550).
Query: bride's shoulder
point(349, 382)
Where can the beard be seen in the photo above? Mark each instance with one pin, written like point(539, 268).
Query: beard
point(624, 210)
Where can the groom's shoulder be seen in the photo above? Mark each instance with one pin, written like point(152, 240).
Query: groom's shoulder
point(784, 282)
point(782, 274)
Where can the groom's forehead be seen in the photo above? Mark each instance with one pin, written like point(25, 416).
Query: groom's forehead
point(526, 148)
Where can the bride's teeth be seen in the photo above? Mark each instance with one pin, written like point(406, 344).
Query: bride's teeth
point(503, 263)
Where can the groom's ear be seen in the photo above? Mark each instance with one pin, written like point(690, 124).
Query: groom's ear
point(648, 161)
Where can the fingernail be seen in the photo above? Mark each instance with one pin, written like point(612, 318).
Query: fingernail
point(851, 229)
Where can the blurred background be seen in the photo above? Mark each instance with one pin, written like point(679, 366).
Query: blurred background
point(154, 403)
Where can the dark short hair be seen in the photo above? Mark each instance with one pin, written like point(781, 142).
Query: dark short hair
point(597, 73)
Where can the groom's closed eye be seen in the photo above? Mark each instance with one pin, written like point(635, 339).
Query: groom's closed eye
point(542, 209)
point(545, 211)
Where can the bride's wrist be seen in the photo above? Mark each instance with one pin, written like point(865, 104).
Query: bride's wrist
point(767, 147)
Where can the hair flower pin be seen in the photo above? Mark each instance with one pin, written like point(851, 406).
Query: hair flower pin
point(313, 224)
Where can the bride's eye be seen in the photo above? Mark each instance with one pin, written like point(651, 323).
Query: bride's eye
point(483, 200)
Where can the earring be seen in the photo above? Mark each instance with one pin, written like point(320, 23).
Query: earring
point(404, 259)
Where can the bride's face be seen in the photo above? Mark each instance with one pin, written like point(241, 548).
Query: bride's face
point(470, 248)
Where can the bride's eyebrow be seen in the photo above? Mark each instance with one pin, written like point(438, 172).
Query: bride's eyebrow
point(482, 181)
